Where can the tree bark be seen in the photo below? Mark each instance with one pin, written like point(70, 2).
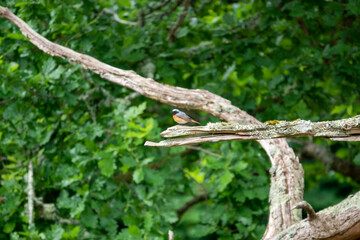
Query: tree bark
point(280, 129)
point(339, 222)
point(345, 128)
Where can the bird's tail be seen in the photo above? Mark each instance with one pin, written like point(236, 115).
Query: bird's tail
point(192, 120)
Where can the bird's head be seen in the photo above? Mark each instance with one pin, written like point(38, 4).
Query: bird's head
point(175, 111)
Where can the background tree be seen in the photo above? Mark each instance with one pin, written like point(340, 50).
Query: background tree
point(93, 177)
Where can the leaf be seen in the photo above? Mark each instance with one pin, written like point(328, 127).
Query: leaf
point(48, 66)
point(228, 72)
point(228, 19)
point(16, 36)
point(225, 179)
point(128, 161)
point(134, 230)
point(89, 219)
point(262, 192)
point(56, 232)
point(354, 7)
point(107, 166)
point(13, 66)
point(197, 174)
point(200, 230)
point(249, 193)
point(125, 3)
point(75, 203)
point(275, 80)
point(182, 32)
point(80, 206)
point(301, 109)
point(57, 72)
point(170, 216)
point(46, 137)
point(109, 224)
point(138, 175)
point(338, 109)
point(153, 177)
point(9, 227)
point(148, 221)
point(240, 166)
point(75, 232)
point(134, 112)
point(11, 112)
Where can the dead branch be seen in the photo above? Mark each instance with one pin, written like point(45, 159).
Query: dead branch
point(308, 208)
point(157, 7)
point(195, 140)
point(48, 211)
point(343, 128)
point(330, 160)
point(287, 173)
point(303, 26)
point(191, 203)
point(167, 12)
point(339, 222)
point(180, 20)
point(30, 192)
point(117, 19)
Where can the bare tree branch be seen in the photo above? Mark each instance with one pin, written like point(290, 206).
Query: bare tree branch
point(303, 26)
point(345, 128)
point(157, 7)
point(168, 11)
point(339, 222)
point(189, 204)
point(308, 208)
point(117, 19)
point(195, 140)
point(331, 129)
point(355, 138)
point(48, 211)
point(287, 173)
point(30, 192)
point(330, 160)
point(180, 20)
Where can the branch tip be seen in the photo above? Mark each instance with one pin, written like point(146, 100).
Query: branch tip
point(308, 208)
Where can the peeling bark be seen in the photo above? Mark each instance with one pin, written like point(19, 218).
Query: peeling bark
point(282, 129)
point(345, 128)
point(339, 222)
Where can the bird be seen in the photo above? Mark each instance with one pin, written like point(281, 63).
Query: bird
point(181, 117)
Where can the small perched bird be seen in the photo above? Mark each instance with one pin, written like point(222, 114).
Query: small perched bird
point(181, 117)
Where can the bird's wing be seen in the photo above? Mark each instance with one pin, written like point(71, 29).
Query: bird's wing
point(184, 116)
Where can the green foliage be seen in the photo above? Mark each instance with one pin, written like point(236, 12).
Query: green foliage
point(93, 177)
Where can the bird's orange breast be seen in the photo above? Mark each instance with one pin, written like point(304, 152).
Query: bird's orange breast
point(179, 120)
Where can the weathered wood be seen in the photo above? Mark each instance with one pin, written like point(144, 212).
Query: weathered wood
point(344, 128)
point(339, 222)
